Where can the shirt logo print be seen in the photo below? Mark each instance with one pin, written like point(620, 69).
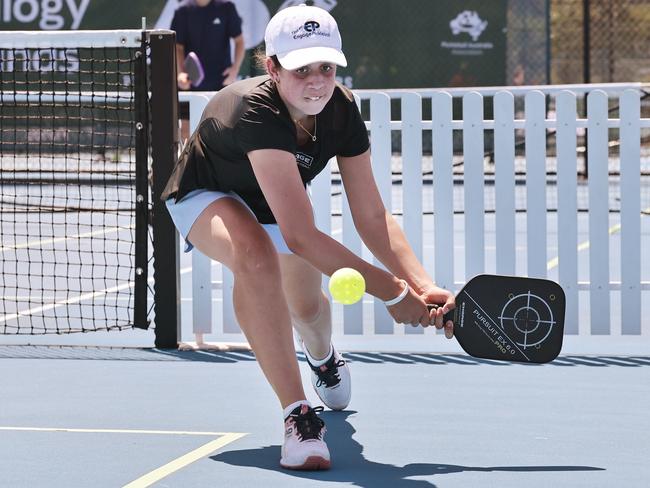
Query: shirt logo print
point(304, 160)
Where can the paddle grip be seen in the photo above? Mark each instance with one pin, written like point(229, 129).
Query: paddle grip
point(451, 315)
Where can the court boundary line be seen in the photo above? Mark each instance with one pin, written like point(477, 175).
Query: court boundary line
point(171, 467)
point(71, 300)
point(553, 263)
point(166, 469)
point(54, 240)
point(76, 299)
point(114, 431)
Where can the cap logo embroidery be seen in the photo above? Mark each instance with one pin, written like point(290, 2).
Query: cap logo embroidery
point(308, 29)
point(311, 25)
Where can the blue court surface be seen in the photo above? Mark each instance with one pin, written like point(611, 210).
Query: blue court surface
point(110, 417)
point(99, 416)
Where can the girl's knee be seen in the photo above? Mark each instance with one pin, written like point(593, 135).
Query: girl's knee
point(309, 310)
point(257, 255)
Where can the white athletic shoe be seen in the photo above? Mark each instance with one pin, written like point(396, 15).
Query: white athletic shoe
point(304, 447)
point(331, 380)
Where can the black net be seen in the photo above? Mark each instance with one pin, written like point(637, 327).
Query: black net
point(67, 206)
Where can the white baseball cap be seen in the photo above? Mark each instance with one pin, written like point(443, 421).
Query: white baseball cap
point(302, 35)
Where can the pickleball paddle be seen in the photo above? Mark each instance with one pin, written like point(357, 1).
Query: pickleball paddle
point(194, 69)
point(510, 318)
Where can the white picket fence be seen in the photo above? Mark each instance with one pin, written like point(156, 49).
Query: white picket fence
point(633, 291)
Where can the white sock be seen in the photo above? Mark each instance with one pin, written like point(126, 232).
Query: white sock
point(291, 408)
point(319, 362)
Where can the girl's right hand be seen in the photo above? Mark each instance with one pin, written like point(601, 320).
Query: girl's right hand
point(411, 310)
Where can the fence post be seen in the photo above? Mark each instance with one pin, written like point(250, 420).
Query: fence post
point(320, 191)
point(536, 216)
point(630, 153)
point(412, 170)
point(352, 314)
point(598, 149)
point(473, 151)
point(504, 181)
point(202, 291)
point(567, 208)
point(381, 148)
point(443, 189)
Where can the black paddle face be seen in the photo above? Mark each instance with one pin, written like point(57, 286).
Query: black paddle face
point(510, 318)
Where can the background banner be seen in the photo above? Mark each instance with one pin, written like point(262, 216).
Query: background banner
point(418, 43)
point(388, 44)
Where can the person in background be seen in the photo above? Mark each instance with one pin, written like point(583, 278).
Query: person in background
point(206, 27)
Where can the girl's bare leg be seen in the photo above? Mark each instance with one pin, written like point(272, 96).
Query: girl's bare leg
point(227, 232)
point(309, 306)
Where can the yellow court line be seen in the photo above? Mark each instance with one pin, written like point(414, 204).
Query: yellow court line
point(581, 247)
point(178, 463)
point(612, 230)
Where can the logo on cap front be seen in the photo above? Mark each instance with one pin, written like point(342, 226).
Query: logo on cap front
point(309, 29)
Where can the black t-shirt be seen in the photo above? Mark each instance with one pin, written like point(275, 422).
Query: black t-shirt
point(250, 115)
point(207, 32)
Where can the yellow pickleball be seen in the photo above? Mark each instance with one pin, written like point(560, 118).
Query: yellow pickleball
point(347, 286)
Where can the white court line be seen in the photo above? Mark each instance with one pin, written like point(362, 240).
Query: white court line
point(77, 299)
point(114, 431)
point(61, 239)
point(80, 298)
point(152, 477)
point(30, 298)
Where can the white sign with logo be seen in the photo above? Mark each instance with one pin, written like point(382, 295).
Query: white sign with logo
point(468, 23)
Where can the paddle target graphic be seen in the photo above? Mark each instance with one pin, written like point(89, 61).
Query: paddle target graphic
point(528, 319)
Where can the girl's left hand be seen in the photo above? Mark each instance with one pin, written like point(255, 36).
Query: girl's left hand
point(446, 302)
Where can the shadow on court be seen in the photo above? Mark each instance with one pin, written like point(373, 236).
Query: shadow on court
point(208, 356)
point(351, 466)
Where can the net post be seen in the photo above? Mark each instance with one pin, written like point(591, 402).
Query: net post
point(164, 142)
point(140, 319)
